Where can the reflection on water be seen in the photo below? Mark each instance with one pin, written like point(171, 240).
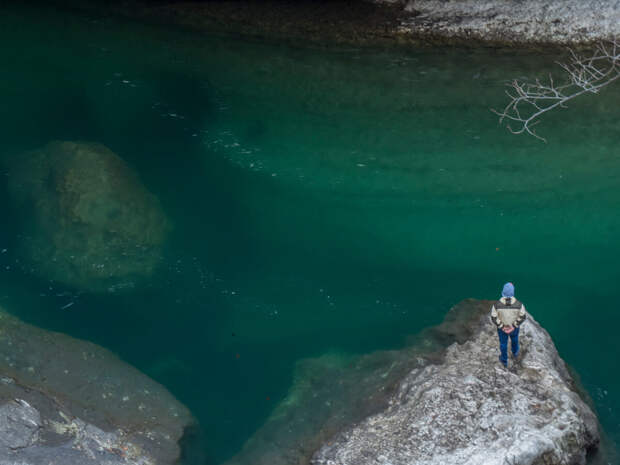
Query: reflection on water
point(322, 200)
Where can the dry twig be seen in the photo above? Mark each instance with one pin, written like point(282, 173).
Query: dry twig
point(529, 100)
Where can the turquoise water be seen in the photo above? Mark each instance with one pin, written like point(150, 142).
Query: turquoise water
point(323, 199)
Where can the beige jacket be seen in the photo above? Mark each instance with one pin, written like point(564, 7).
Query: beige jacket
point(508, 311)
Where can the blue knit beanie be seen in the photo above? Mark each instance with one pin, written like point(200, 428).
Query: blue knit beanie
point(509, 290)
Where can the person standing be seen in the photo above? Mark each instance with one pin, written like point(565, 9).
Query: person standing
point(508, 314)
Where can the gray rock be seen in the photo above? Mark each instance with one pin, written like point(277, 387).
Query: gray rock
point(19, 425)
point(470, 410)
point(65, 401)
point(88, 220)
point(515, 21)
point(445, 399)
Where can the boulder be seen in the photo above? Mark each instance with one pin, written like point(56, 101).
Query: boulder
point(65, 401)
point(89, 222)
point(445, 399)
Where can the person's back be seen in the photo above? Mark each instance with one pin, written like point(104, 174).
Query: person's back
point(507, 314)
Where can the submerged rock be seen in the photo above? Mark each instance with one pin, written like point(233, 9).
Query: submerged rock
point(89, 221)
point(65, 401)
point(443, 400)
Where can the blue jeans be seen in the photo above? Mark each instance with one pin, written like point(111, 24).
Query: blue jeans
point(503, 344)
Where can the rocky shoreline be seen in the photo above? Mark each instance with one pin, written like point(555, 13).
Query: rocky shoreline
point(519, 23)
point(514, 22)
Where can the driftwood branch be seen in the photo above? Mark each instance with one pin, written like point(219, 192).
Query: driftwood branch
point(589, 74)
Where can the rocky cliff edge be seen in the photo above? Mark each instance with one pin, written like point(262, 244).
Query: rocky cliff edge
point(445, 400)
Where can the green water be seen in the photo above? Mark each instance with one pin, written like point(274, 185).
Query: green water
point(323, 199)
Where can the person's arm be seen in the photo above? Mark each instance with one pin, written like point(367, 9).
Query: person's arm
point(521, 318)
point(495, 318)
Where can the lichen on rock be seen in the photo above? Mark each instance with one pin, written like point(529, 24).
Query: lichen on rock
point(90, 222)
point(443, 400)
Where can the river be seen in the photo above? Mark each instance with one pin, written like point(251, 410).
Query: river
point(323, 198)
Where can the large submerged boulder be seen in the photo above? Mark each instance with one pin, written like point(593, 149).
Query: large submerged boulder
point(65, 401)
point(89, 221)
point(445, 399)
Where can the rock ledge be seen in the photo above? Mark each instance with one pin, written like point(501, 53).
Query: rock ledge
point(470, 410)
point(444, 400)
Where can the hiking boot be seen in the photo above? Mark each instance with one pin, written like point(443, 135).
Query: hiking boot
point(504, 364)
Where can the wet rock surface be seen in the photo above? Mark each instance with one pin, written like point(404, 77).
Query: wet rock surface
point(445, 399)
point(65, 401)
point(90, 222)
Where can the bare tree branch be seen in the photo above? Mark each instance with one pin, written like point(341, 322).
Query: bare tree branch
point(589, 74)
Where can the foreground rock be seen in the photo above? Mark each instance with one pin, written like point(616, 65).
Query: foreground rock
point(89, 221)
point(432, 405)
point(69, 402)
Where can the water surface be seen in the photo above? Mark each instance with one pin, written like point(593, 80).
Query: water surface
point(323, 199)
